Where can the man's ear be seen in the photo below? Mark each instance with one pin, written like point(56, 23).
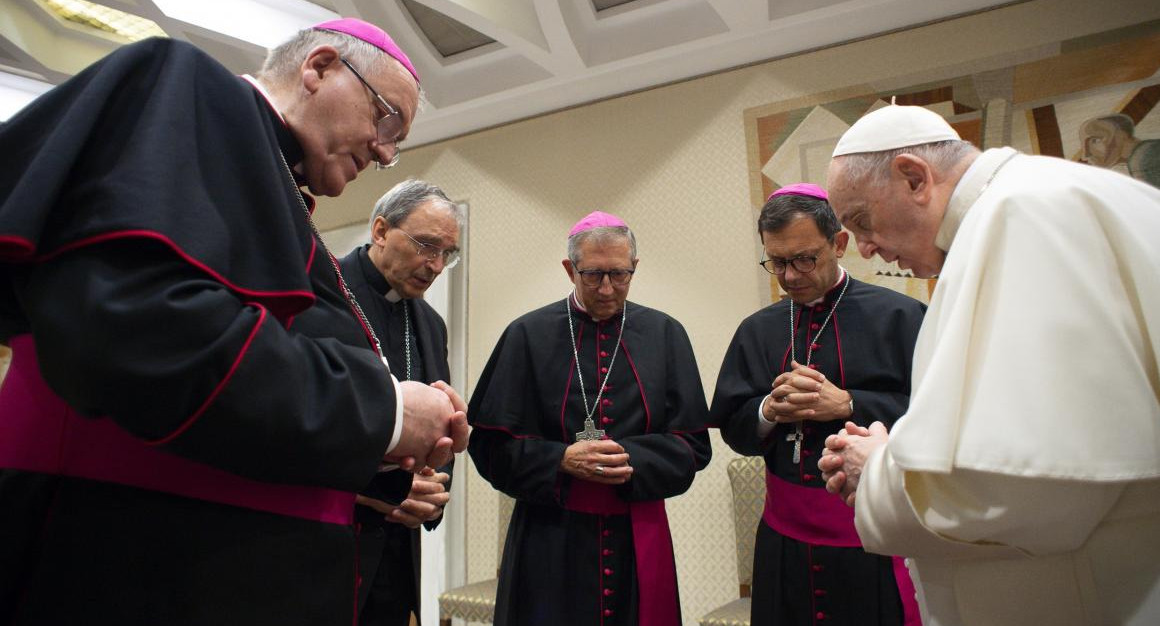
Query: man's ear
point(917, 175)
point(567, 263)
point(841, 240)
point(379, 230)
point(317, 64)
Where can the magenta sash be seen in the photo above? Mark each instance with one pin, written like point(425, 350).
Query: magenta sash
point(40, 433)
point(818, 517)
point(656, 571)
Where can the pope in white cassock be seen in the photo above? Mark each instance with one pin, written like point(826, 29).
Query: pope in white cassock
point(1024, 479)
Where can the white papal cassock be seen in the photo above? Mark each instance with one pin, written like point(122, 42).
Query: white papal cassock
point(1024, 480)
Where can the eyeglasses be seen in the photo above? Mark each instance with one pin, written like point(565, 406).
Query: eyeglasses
point(388, 126)
point(803, 264)
point(594, 278)
point(427, 251)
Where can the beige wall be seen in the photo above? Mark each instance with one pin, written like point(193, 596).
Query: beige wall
point(672, 161)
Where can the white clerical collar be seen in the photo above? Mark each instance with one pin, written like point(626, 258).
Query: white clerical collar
point(392, 296)
point(970, 186)
point(265, 94)
point(576, 301)
point(841, 275)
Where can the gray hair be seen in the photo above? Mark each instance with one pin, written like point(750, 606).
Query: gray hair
point(873, 168)
point(282, 62)
point(600, 236)
point(403, 198)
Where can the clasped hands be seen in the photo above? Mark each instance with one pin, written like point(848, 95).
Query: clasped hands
point(804, 394)
point(602, 461)
point(424, 503)
point(434, 426)
point(845, 457)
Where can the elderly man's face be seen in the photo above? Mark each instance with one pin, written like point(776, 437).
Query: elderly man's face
point(336, 120)
point(397, 256)
point(801, 238)
point(605, 299)
point(1103, 143)
point(886, 220)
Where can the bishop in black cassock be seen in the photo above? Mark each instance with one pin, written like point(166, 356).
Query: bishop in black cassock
point(590, 413)
point(192, 400)
point(414, 237)
point(835, 350)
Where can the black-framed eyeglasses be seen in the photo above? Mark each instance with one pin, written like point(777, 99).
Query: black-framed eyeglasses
point(387, 127)
point(803, 264)
point(594, 278)
point(427, 251)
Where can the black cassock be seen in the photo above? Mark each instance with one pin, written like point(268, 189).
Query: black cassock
point(562, 565)
point(389, 554)
point(866, 349)
point(160, 275)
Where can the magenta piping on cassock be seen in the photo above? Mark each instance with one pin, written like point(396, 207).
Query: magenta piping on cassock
point(656, 571)
point(40, 433)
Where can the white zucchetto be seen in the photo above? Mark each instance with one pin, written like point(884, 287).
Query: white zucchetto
point(892, 127)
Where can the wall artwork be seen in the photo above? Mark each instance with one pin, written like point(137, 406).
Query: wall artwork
point(1092, 99)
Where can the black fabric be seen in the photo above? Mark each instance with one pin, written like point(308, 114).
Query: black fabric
point(157, 139)
point(148, 230)
point(526, 410)
point(389, 553)
point(876, 329)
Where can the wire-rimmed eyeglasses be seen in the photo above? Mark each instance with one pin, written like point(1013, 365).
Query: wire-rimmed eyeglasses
point(387, 127)
point(803, 264)
point(450, 256)
point(593, 278)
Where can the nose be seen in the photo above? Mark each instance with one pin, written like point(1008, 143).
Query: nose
point(866, 249)
point(605, 281)
point(791, 272)
point(384, 152)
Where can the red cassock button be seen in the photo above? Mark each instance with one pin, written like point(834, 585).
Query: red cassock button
point(607, 612)
point(606, 552)
point(807, 476)
point(820, 616)
point(606, 402)
point(603, 336)
point(819, 592)
point(608, 592)
point(816, 346)
point(607, 571)
point(607, 533)
point(817, 568)
point(815, 326)
point(606, 420)
point(604, 370)
point(813, 366)
point(819, 308)
point(603, 354)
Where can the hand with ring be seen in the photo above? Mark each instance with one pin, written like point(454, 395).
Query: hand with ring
point(602, 461)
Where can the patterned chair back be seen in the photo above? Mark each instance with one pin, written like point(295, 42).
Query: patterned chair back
point(747, 480)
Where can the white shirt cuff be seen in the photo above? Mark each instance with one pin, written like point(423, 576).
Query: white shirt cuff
point(398, 434)
point(764, 426)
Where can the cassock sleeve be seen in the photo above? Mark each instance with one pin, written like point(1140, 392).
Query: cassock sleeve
point(665, 461)
point(507, 444)
point(954, 515)
point(743, 382)
point(127, 330)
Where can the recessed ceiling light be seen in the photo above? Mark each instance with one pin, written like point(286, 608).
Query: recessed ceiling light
point(91, 15)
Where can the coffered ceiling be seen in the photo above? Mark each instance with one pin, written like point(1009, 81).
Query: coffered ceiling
point(488, 62)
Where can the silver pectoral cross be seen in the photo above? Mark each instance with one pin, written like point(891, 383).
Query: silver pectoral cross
point(590, 432)
point(796, 437)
